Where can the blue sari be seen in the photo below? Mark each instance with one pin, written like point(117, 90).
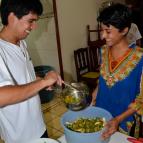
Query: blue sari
point(118, 89)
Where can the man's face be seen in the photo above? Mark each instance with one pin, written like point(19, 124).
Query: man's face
point(23, 26)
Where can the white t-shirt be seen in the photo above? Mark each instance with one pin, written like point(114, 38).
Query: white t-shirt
point(133, 34)
point(23, 121)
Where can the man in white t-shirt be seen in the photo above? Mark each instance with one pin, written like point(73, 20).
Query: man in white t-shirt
point(134, 35)
point(20, 109)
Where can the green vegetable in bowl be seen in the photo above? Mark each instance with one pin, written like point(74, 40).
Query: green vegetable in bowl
point(71, 99)
point(86, 125)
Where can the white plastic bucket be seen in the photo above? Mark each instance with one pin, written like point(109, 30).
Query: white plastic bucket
point(90, 112)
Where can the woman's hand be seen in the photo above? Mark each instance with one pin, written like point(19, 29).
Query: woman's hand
point(110, 128)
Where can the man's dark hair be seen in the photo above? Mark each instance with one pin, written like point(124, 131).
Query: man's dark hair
point(117, 15)
point(19, 8)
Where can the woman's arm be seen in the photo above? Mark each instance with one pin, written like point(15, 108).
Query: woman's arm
point(138, 103)
point(94, 94)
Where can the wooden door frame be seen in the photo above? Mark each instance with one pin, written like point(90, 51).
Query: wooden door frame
point(58, 39)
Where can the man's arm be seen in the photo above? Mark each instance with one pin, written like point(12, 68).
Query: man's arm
point(11, 94)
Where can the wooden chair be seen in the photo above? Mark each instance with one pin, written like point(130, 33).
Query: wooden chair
point(81, 57)
point(94, 48)
point(89, 32)
point(94, 55)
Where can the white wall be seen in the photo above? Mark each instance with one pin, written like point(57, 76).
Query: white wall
point(73, 16)
point(42, 41)
point(42, 44)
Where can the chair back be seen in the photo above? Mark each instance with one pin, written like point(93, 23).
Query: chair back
point(94, 52)
point(90, 32)
point(81, 62)
point(94, 47)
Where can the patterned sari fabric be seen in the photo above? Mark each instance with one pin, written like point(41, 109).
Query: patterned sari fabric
point(119, 83)
point(138, 104)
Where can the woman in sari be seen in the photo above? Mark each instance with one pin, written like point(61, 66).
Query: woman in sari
point(121, 69)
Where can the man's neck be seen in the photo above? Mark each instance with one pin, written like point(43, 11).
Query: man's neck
point(8, 36)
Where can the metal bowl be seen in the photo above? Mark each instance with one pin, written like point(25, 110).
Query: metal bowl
point(75, 99)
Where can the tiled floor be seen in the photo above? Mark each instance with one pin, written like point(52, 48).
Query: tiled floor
point(52, 115)
point(53, 111)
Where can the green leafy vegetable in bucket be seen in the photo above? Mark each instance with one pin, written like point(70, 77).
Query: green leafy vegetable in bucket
point(86, 125)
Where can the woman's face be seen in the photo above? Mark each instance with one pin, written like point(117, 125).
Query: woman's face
point(112, 35)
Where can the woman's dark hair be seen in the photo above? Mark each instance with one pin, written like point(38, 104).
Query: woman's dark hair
point(19, 8)
point(117, 15)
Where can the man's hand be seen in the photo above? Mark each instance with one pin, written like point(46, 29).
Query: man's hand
point(53, 77)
